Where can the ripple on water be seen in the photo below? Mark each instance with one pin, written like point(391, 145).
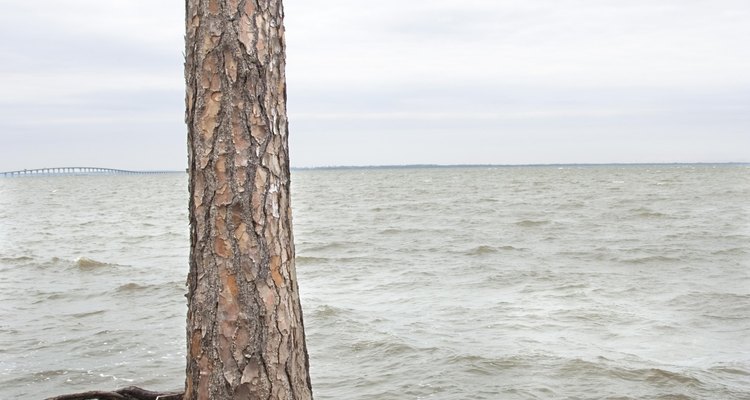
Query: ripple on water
point(309, 260)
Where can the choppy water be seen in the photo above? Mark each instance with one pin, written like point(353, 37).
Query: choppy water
point(451, 283)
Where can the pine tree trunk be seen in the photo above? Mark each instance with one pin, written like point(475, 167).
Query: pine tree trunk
point(244, 330)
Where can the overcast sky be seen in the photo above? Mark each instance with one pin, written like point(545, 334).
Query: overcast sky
point(100, 83)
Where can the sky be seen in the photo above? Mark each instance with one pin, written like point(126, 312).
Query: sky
point(100, 83)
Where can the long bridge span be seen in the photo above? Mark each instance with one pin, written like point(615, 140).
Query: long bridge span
point(78, 171)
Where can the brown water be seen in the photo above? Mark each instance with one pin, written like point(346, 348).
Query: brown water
point(448, 283)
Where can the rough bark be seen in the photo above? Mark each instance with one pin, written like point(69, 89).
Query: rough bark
point(245, 331)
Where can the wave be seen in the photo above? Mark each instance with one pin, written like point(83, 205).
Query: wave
point(511, 248)
point(15, 259)
point(132, 287)
point(662, 376)
point(387, 348)
point(88, 263)
point(714, 306)
point(45, 375)
point(309, 260)
point(654, 376)
point(155, 289)
point(647, 213)
point(527, 223)
point(328, 246)
point(571, 205)
point(732, 370)
point(396, 231)
point(481, 250)
point(568, 286)
point(649, 260)
point(476, 364)
point(702, 297)
point(734, 251)
point(81, 263)
point(326, 311)
point(87, 314)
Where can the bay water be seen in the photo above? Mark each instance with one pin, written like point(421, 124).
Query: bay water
point(540, 282)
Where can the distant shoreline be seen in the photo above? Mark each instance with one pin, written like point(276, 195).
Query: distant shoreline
point(582, 165)
point(416, 166)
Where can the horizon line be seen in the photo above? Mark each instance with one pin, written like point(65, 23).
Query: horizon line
point(394, 166)
point(430, 165)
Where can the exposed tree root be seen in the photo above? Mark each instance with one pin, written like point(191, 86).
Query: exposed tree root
point(128, 393)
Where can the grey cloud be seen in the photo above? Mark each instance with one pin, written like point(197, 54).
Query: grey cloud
point(49, 44)
point(454, 98)
point(519, 124)
point(97, 106)
point(532, 41)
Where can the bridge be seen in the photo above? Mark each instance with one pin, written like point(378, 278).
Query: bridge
point(78, 171)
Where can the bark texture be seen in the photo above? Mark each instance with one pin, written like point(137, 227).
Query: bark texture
point(244, 328)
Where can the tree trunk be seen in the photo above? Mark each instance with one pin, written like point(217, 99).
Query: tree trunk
point(245, 334)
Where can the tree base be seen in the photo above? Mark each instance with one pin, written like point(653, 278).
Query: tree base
point(128, 393)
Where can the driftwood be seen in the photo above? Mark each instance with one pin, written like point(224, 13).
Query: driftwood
point(128, 393)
